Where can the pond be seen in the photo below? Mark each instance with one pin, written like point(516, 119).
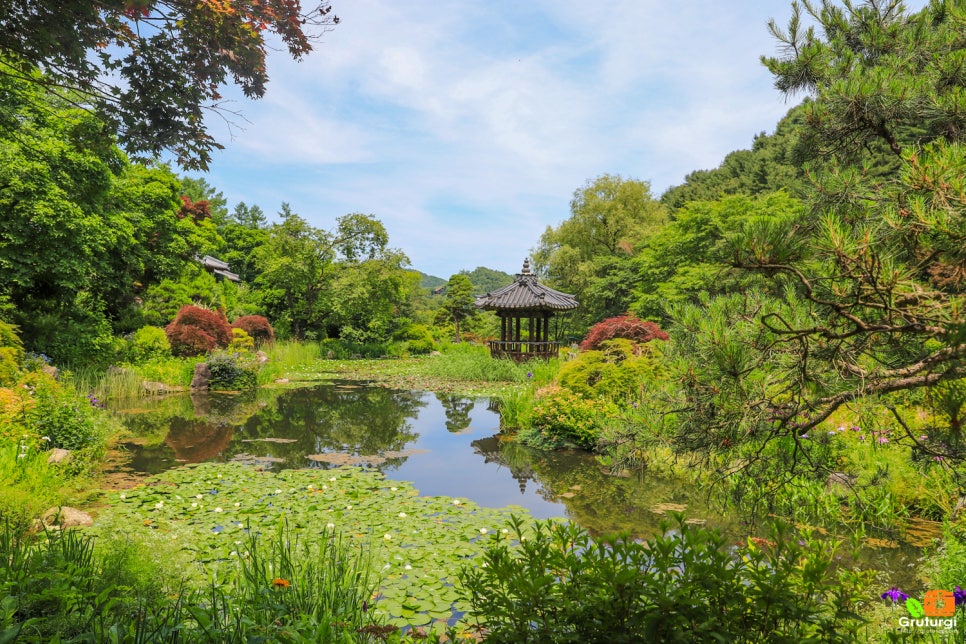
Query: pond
point(446, 445)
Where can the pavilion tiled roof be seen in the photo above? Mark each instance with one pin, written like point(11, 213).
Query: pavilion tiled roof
point(526, 293)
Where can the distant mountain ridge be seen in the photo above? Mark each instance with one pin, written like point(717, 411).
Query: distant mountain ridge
point(484, 279)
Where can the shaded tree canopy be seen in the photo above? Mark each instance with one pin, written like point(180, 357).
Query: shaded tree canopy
point(150, 68)
point(874, 270)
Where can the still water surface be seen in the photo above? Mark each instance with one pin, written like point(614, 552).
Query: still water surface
point(446, 445)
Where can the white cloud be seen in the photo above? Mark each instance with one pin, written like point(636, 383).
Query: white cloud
point(467, 126)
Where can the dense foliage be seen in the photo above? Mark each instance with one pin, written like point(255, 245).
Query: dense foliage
point(195, 331)
point(589, 254)
point(257, 327)
point(626, 327)
point(560, 585)
point(150, 68)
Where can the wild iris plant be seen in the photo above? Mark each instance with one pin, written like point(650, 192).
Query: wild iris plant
point(895, 595)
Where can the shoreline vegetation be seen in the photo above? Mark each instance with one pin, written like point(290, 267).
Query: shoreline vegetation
point(194, 506)
point(786, 331)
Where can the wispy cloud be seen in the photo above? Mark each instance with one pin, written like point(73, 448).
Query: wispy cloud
point(467, 126)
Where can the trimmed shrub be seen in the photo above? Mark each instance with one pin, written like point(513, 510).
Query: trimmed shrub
point(617, 371)
point(257, 327)
point(196, 331)
point(562, 418)
point(148, 343)
point(626, 327)
point(241, 342)
point(230, 372)
point(418, 339)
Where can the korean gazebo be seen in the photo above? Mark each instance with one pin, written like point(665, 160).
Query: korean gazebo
point(525, 308)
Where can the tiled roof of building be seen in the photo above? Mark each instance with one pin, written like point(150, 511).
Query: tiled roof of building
point(526, 293)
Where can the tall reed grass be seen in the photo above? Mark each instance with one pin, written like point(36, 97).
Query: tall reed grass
point(58, 586)
point(287, 358)
point(474, 362)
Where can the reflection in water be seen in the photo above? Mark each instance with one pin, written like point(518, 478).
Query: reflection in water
point(446, 445)
point(458, 411)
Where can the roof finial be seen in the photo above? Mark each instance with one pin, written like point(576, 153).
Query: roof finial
point(526, 266)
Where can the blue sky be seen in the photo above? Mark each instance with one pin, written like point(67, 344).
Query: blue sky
point(466, 126)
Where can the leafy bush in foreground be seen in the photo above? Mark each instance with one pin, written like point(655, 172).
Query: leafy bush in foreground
point(559, 585)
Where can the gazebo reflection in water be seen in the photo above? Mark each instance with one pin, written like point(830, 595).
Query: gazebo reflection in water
point(525, 308)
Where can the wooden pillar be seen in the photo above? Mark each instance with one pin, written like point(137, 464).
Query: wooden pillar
point(502, 327)
point(530, 333)
point(516, 336)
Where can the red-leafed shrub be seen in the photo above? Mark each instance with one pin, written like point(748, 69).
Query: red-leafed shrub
point(195, 331)
point(627, 327)
point(257, 327)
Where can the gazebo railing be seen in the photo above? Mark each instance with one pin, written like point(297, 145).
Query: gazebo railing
point(522, 350)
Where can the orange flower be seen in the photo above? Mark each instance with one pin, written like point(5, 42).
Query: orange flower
point(280, 583)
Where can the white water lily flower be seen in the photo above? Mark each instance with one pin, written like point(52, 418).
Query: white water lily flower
point(402, 515)
point(325, 487)
point(237, 505)
point(278, 491)
point(456, 501)
point(483, 530)
point(233, 553)
point(123, 496)
point(159, 504)
point(219, 476)
point(330, 525)
point(310, 487)
point(332, 479)
point(348, 507)
point(387, 537)
point(407, 567)
point(194, 505)
point(393, 489)
point(199, 496)
point(218, 509)
point(505, 531)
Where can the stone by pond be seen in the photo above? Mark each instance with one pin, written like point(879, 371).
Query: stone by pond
point(445, 445)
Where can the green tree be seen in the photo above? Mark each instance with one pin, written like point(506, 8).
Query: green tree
point(459, 302)
point(588, 255)
point(151, 67)
point(299, 266)
point(198, 189)
point(690, 257)
point(773, 163)
point(82, 231)
point(249, 216)
point(874, 273)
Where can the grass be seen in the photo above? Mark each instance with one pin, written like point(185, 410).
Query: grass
point(289, 360)
point(29, 485)
point(66, 586)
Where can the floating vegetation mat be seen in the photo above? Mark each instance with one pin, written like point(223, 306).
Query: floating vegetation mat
point(417, 544)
